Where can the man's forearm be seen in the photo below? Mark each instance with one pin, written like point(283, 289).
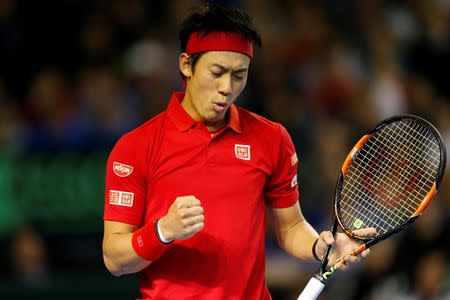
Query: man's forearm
point(298, 239)
point(295, 235)
point(119, 255)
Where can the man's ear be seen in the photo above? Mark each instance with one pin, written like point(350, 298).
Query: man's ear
point(185, 64)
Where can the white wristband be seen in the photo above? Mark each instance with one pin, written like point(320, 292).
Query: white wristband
point(161, 236)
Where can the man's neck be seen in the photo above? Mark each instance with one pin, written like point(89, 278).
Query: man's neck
point(216, 127)
point(186, 103)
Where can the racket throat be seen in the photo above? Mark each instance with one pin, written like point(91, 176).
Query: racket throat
point(327, 274)
point(326, 259)
point(326, 256)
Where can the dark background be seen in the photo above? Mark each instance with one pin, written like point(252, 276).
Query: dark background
point(76, 75)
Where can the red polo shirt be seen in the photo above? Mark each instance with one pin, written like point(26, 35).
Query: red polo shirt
point(235, 173)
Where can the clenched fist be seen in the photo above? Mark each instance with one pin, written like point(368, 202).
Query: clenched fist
point(183, 219)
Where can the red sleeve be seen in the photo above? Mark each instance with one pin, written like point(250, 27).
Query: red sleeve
point(125, 190)
point(282, 187)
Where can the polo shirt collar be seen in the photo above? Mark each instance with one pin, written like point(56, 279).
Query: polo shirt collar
point(183, 121)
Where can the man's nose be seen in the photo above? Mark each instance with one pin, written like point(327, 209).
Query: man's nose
point(225, 85)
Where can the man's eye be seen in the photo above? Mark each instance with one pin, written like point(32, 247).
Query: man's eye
point(239, 75)
point(216, 74)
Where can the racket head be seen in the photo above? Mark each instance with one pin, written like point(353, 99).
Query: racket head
point(389, 177)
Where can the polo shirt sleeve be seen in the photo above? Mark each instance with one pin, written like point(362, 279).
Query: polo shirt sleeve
point(282, 187)
point(125, 190)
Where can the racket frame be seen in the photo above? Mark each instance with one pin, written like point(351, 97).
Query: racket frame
point(324, 274)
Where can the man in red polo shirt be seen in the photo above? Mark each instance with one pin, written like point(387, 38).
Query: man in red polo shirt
point(186, 192)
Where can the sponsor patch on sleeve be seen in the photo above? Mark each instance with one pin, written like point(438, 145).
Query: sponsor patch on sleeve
point(121, 198)
point(294, 159)
point(122, 170)
point(294, 181)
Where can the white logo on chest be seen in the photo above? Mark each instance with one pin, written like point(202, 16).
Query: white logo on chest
point(242, 151)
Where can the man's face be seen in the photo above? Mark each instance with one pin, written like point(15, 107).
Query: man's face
point(218, 79)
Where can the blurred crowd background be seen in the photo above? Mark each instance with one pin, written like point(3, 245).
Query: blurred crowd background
point(76, 75)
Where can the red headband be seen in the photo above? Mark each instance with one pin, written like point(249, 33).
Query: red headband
point(219, 41)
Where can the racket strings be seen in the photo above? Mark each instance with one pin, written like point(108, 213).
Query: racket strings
point(408, 167)
point(415, 142)
point(365, 214)
point(420, 160)
point(396, 169)
point(424, 160)
point(389, 177)
point(388, 197)
point(394, 184)
point(385, 219)
point(405, 152)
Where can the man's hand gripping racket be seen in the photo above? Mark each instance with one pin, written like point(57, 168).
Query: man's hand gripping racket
point(386, 182)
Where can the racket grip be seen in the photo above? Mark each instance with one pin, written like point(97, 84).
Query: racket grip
point(312, 290)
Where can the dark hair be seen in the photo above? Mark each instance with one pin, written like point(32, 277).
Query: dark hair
point(212, 18)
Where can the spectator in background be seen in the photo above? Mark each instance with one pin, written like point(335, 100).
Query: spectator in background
point(429, 55)
point(97, 42)
point(10, 125)
point(50, 114)
point(28, 254)
point(148, 67)
point(429, 277)
point(107, 109)
point(386, 88)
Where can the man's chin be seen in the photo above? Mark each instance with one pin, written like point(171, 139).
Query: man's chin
point(217, 121)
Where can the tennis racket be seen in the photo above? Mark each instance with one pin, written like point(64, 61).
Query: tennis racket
point(385, 183)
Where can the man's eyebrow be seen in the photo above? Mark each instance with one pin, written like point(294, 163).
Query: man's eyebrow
point(222, 68)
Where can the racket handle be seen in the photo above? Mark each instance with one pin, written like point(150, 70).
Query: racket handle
point(312, 290)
